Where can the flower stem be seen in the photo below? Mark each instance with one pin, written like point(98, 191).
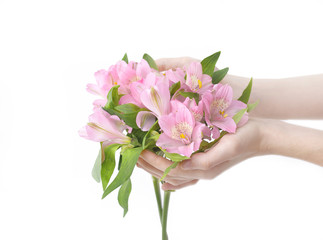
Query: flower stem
point(164, 215)
point(158, 197)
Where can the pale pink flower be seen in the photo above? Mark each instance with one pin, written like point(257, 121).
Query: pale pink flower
point(136, 88)
point(181, 133)
point(132, 72)
point(105, 81)
point(103, 127)
point(157, 100)
point(220, 108)
point(196, 109)
point(196, 80)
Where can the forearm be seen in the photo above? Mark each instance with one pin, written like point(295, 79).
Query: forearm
point(288, 98)
point(280, 138)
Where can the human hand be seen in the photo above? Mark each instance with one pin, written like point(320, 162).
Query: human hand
point(230, 150)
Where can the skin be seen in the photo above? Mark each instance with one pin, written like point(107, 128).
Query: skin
point(260, 136)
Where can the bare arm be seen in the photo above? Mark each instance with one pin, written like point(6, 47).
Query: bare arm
point(286, 98)
point(257, 137)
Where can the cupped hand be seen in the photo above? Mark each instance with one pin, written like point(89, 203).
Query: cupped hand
point(229, 151)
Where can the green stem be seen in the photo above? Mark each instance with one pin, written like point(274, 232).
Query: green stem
point(158, 197)
point(164, 216)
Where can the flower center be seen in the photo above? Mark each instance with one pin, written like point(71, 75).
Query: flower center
point(196, 82)
point(182, 132)
point(219, 105)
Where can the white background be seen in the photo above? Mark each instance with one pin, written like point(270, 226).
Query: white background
point(49, 51)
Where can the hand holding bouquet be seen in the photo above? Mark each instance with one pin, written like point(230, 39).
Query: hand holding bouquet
point(175, 113)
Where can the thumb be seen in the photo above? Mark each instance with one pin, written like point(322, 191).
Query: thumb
point(223, 151)
point(165, 64)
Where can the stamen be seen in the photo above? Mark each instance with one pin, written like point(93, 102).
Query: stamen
point(200, 83)
point(225, 115)
point(182, 135)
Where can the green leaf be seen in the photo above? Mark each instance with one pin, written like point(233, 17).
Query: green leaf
point(112, 99)
point(127, 108)
point(123, 196)
point(144, 146)
point(237, 117)
point(129, 159)
point(191, 95)
point(168, 170)
point(174, 88)
point(175, 157)
point(219, 75)
point(108, 164)
point(125, 58)
point(251, 106)
point(138, 133)
point(208, 64)
point(246, 93)
point(150, 61)
point(96, 170)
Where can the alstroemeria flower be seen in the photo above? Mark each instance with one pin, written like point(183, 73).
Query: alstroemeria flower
point(220, 108)
point(136, 88)
point(181, 133)
point(157, 100)
point(197, 110)
point(196, 80)
point(103, 127)
point(132, 72)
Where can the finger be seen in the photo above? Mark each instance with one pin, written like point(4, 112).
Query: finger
point(172, 181)
point(173, 63)
point(168, 186)
point(154, 160)
point(151, 169)
point(162, 164)
point(223, 151)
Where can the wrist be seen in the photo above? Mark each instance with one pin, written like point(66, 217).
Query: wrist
point(270, 135)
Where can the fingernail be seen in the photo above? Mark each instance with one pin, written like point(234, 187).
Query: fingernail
point(186, 164)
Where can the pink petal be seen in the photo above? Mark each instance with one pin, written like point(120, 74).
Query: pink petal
point(224, 92)
point(195, 69)
point(186, 150)
point(168, 143)
point(175, 76)
point(99, 103)
point(166, 123)
point(94, 89)
point(215, 133)
point(235, 107)
point(129, 99)
point(145, 120)
point(226, 124)
point(143, 69)
point(157, 99)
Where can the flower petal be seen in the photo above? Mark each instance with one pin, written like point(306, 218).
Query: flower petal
point(145, 120)
point(226, 124)
point(224, 92)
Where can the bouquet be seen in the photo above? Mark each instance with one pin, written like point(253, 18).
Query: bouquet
point(175, 114)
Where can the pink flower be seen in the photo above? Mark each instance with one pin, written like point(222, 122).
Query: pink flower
point(181, 133)
point(103, 127)
point(132, 72)
point(197, 110)
point(157, 100)
point(136, 88)
point(196, 80)
point(220, 108)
